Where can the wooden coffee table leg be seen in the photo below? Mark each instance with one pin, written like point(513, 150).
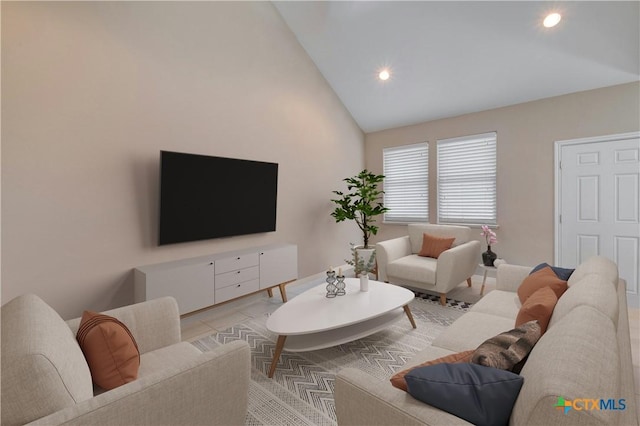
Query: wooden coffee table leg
point(276, 355)
point(409, 315)
point(283, 292)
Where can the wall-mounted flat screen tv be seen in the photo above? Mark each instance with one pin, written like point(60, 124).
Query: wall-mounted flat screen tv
point(204, 197)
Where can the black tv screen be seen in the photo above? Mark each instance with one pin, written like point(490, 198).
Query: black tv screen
point(204, 197)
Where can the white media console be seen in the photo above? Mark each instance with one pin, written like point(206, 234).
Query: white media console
point(200, 282)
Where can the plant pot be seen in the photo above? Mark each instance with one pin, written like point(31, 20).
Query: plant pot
point(365, 254)
point(488, 257)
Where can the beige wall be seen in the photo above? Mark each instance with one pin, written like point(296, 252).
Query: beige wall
point(525, 158)
point(92, 91)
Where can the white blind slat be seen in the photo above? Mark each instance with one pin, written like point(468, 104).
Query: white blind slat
point(406, 183)
point(467, 179)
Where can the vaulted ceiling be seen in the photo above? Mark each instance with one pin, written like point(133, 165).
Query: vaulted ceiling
point(453, 57)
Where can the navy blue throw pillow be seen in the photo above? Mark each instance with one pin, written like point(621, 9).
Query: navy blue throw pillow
point(478, 394)
point(562, 273)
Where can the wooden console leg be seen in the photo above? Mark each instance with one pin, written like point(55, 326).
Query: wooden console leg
point(283, 292)
point(270, 292)
point(469, 281)
point(409, 315)
point(276, 355)
point(443, 299)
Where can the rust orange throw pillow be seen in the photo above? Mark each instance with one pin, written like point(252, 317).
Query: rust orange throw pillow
point(398, 381)
point(545, 277)
point(110, 350)
point(434, 246)
point(539, 306)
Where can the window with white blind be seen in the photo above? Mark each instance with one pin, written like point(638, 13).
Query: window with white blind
point(467, 180)
point(406, 183)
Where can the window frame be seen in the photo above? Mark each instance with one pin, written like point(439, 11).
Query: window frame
point(486, 205)
point(421, 205)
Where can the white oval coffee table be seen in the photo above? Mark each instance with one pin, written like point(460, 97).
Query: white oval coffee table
point(312, 321)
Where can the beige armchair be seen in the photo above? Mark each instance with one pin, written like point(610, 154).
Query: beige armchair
point(399, 263)
point(46, 380)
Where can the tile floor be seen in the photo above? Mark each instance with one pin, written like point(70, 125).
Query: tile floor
point(221, 317)
point(224, 316)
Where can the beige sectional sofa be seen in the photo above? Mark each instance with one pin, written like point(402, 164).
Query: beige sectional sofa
point(46, 379)
point(585, 353)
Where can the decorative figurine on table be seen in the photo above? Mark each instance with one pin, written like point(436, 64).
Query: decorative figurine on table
point(340, 285)
point(331, 287)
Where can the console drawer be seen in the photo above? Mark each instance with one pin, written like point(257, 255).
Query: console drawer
point(236, 277)
point(237, 290)
point(236, 262)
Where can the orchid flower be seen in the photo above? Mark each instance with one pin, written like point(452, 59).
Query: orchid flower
point(489, 235)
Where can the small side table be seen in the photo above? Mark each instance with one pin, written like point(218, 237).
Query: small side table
point(486, 269)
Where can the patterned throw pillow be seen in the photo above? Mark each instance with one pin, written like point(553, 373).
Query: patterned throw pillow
point(434, 246)
point(398, 380)
point(508, 350)
point(110, 350)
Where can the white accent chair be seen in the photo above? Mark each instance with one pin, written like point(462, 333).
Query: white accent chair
point(399, 263)
point(46, 380)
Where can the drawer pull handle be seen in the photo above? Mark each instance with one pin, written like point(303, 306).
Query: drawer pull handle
point(238, 258)
point(238, 272)
point(238, 285)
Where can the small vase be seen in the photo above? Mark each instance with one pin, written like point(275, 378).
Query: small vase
point(488, 257)
point(364, 281)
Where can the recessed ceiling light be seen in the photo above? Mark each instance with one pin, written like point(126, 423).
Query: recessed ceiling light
point(551, 20)
point(384, 75)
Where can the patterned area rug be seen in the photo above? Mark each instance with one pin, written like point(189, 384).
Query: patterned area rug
point(451, 303)
point(301, 391)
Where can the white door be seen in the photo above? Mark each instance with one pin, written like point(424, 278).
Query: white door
point(598, 202)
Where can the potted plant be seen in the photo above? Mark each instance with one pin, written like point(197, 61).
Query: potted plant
point(361, 203)
point(488, 257)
